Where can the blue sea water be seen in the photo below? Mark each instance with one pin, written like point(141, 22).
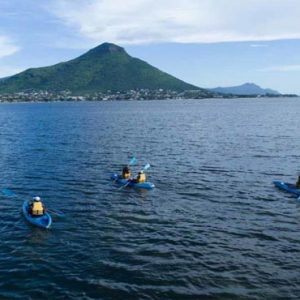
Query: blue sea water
point(213, 228)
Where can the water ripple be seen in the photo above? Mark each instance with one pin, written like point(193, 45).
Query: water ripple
point(214, 227)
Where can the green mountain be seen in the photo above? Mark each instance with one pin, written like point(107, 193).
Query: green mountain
point(106, 67)
point(245, 89)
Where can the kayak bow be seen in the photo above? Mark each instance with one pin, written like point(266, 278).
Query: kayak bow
point(288, 187)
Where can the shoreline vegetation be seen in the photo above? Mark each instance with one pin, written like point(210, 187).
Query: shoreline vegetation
point(136, 94)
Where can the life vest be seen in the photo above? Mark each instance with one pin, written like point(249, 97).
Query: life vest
point(126, 175)
point(142, 177)
point(37, 209)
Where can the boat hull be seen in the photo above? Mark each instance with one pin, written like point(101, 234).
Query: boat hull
point(44, 221)
point(288, 187)
point(121, 181)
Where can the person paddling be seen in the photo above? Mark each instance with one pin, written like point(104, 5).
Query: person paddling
point(36, 207)
point(126, 173)
point(141, 177)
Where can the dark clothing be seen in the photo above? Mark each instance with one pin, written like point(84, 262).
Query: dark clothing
point(126, 169)
point(298, 183)
point(126, 172)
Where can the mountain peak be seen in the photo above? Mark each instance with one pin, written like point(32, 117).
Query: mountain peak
point(105, 67)
point(249, 84)
point(106, 48)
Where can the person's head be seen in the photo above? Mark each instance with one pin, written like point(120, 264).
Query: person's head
point(141, 172)
point(36, 199)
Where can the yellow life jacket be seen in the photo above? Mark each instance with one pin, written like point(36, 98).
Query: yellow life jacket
point(142, 177)
point(126, 175)
point(37, 209)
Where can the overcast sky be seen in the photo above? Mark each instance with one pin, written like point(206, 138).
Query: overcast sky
point(204, 42)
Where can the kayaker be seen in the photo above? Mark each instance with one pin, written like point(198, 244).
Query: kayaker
point(141, 177)
point(298, 183)
point(126, 173)
point(36, 207)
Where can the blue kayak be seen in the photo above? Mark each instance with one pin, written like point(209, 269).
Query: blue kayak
point(142, 185)
point(43, 221)
point(288, 187)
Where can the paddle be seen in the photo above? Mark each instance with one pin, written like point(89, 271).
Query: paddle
point(132, 161)
point(8, 192)
point(146, 167)
point(56, 212)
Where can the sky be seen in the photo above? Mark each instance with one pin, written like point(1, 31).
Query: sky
point(208, 43)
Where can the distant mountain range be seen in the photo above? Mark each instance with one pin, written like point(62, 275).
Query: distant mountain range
point(106, 67)
point(245, 89)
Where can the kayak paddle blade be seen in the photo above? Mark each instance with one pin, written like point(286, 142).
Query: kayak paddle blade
point(147, 166)
point(132, 161)
point(8, 192)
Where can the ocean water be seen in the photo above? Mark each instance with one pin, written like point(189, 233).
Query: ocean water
point(213, 228)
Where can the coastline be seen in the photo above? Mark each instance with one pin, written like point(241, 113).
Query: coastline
point(30, 101)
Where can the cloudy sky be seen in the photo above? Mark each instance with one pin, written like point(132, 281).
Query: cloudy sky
point(205, 42)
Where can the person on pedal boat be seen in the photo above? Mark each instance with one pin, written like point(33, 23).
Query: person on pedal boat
point(126, 173)
point(36, 207)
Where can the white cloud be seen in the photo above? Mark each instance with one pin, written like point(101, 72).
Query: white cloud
point(7, 47)
point(283, 68)
point(183, 21)
point(259, 45)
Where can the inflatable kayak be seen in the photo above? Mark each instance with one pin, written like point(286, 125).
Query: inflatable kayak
point(44, 221)
point(288, 187)
point(142, 185)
